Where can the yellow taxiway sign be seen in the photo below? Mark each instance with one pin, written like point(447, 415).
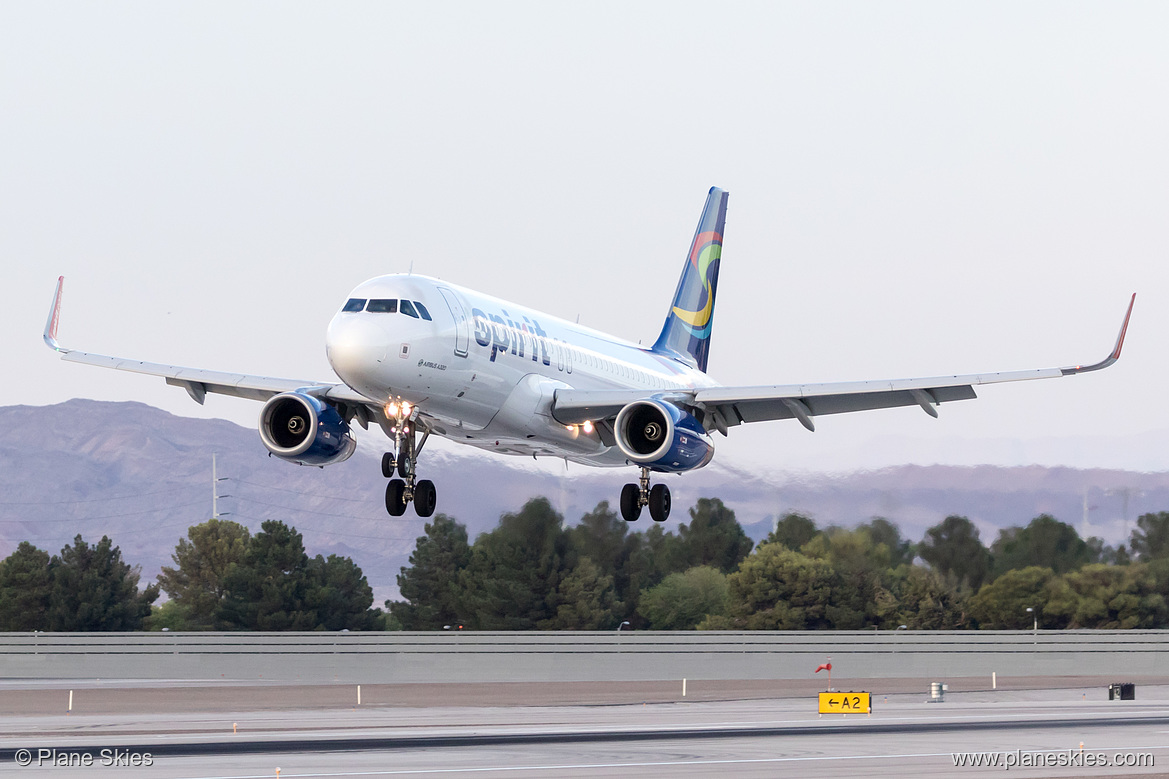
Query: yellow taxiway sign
point(846, 703)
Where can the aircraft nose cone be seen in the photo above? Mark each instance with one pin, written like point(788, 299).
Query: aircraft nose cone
point(355, 347)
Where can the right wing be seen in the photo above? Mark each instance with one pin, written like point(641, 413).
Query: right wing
point(199, 382)
point(726, 407)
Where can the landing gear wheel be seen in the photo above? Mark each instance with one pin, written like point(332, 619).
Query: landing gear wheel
point(630, 502)
point(425, 497)
point(388, 465)
point(396, 498)
point(659, 502)
point(406, 460)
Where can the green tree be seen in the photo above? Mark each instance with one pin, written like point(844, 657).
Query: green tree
point(167, 616)
point(1045, 542)
point(24, 589)
point(513, 579)
point(862, 570)
point(793, 531)
point(713, 537)
point(881, 531)
point(1003, 604)
point(1150, 539)
point(604, 538)
point(341, 595)
point(270, 589)
point(776, 588)
point(432, 597)
point(587, 600)
point(601, 537)
point(682, 600)
point(91, 589)
point(196, 585)
point(1107, 597)
point(650, 557)
point(952, 547)
point(926, 600)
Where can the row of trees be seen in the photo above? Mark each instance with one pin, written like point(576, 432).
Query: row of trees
point(532, 572)
point(224, 579)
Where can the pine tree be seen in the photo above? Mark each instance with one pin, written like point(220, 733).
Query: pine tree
point(713, 537)
point(270, 589)
point(341, 595)
point(24, 589)
point(197, 584)
point(93, 589)
point(431, 596)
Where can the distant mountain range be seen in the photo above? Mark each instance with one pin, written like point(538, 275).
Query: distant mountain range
point(143, 476)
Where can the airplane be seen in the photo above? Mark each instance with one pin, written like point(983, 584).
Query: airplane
point(418, 356)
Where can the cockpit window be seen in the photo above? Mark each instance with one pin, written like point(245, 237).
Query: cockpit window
point(408, 309)
point(422, 310)
point(354, 304)
point(383, 306)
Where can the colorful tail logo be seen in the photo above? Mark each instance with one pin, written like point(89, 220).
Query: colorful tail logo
point(704, 257)
point(686, 333)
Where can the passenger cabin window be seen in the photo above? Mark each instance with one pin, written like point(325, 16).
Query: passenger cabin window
point(382, 306)
point(422, 310)
point(408, 309)
point(354, 304)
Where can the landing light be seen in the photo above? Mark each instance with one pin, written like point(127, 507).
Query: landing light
point(405, 409)
point(588, 426)
point(391, 409)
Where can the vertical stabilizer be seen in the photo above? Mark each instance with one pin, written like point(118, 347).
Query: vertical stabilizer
point(686, 333)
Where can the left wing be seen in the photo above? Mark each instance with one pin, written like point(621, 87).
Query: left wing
point(726, 407)
point(199, 382)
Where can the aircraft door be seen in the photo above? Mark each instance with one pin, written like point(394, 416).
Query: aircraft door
point(462, 324)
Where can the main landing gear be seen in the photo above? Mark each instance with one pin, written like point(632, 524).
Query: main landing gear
point(401, 491)
point(634, 496)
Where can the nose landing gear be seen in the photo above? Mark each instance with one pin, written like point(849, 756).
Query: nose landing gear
point(402, 491)
point(634, 496)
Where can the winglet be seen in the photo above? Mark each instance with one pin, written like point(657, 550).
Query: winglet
point(55, 318)
point(1115, 355)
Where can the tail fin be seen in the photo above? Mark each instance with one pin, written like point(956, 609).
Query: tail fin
point(686, 333)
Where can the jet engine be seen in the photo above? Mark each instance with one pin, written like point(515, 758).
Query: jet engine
point(658, 435)
point(303, 429)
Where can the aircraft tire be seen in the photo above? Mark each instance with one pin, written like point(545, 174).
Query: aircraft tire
point(659, 502)
point(388, 465)
point(630, 510)
point(396, 497)
point(405, 461)
point(425, 498)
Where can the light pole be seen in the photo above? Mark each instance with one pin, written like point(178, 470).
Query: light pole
point(1034, 625)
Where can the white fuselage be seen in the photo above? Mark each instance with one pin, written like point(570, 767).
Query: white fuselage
point(484, 370)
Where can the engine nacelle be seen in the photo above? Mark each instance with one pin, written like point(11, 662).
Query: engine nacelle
point(306, 430)
point(662, 437)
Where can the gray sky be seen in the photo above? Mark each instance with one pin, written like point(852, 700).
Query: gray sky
point(916, 189)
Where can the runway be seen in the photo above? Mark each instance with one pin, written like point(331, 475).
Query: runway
point(904, 737)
